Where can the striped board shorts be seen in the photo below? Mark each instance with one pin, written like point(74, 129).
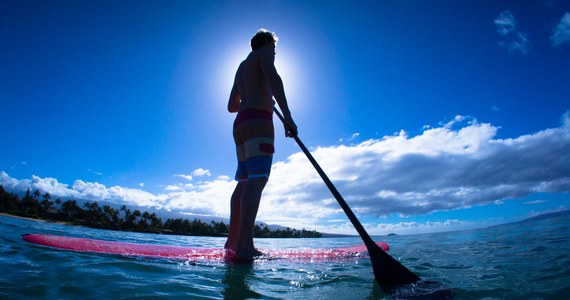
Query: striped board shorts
point(254, 135)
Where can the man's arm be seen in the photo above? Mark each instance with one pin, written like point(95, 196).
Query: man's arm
point(276, 85)
point(233, 103)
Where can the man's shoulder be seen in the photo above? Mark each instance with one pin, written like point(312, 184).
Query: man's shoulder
point(262, 52)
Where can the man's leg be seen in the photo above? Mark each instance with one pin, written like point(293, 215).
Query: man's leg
point(248, 211)
point(235, 212)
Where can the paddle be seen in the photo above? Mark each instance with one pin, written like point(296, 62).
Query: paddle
point(387, 270)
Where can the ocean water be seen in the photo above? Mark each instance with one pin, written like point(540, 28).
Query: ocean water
point(527, 260)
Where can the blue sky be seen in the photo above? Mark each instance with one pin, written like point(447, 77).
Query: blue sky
point(428, 115)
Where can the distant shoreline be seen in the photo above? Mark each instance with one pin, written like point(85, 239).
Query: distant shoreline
point(37, 207)
point(34, 219)
point(23, 218)
point(325, 235)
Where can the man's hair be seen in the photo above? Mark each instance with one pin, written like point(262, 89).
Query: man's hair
point(261, 37)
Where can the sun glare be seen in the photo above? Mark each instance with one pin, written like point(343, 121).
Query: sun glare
point(288, 69)
point(284, 62)
point(229, 66)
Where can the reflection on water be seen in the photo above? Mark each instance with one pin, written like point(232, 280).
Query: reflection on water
point(423, 289)
point(238, 279)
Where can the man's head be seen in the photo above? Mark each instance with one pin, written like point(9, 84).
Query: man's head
point(262, 37)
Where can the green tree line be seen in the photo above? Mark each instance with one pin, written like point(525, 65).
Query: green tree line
point(41, 206)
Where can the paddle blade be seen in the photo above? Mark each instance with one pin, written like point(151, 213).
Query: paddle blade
point(387, 270)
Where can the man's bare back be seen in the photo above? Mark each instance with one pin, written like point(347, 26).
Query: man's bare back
point(252, 83)
point(257, 83)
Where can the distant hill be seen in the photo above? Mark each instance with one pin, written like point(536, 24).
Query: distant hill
point(336, 235)
point(564, 213)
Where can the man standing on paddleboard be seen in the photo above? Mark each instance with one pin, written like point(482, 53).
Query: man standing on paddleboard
point(256, 84)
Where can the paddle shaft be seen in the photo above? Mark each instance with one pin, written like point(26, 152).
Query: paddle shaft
point(359, 228)
point(402, 274)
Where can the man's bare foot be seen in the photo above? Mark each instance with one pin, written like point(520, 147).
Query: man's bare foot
point(232, 257)
point(230, 246)
point(249, 253)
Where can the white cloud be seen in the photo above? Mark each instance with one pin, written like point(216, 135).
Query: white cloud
point(521, 44)
point(355, 135)
point(90, 190)
point(91, 171)
point(187, 177)
point(351, 138)
point(173, 188)
point(517, 45)
point(201, 172)
point(429, 226)
point(457, 165)
point(120, 194)
point(515, 42)
point(206, 198)
point(505, 23)
point(535, 202)
point(196, 173)
point(224, 177)
point(561, 33)
point(441, 169)
point(9, 182)
point(345, 227)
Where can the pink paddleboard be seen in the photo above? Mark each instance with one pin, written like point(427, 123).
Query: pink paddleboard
point(194, 254)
